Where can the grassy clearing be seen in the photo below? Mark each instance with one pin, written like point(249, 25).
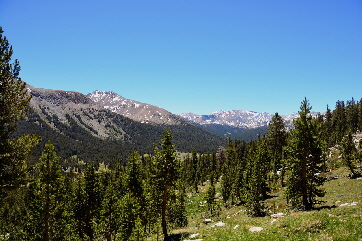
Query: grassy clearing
point(332, 220)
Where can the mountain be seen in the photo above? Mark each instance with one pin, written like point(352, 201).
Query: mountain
point(235, 118)
point(135, 110)
point(81, 127)
point(237, 124)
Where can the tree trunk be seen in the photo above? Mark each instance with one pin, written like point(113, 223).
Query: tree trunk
point(304, 185)
point(164, 204)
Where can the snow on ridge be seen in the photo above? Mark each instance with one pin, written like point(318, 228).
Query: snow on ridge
point(238, 118)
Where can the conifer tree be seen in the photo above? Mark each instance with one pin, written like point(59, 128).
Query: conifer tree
point(93, 200)
point(129, 216)
point(360, 114)
point(352, 115)
point(166, 174)
point(48, 216)
point(349, 154)
point(210, 200)
point(14, 104)
point(79, 204)
point(305, 161)
point(339, 121)
point(276, 138)
point(176, 211)
point(256, 177)
point(134, 185)
point(195, 173)
point(214, 174)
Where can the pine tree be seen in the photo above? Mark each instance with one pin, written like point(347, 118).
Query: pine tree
point(79, 206)
point(166, 166)
point(228, 174)
point(210, 200)
point(110, 218)
point(134, 185)
point(256, 178)
point(305, 161)
point(349, 154)
point(48, 215)
point(276, 138)
point(339, 121)
point(352, 115)
point(176, 211)
point(214, 172)
point(195, 174)
point(93, 200)
point(14, 104)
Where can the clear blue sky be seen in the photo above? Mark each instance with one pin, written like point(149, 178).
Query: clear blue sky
point(193, 56)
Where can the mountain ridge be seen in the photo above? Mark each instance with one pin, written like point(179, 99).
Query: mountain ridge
point(138, 111)
point(237, 118)
point(78, 126)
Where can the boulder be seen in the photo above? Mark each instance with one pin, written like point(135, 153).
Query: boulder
point(255, 229)
point(277, 215)
point(207, 220)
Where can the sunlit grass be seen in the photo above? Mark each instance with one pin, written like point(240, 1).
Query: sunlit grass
point(329, 221)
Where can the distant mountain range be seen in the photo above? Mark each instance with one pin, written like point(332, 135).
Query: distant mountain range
point(236, 118)
point(238, 124)
point(106, 126)
point(150, 114)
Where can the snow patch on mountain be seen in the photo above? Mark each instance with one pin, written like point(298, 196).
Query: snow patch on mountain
point(238, 118)
point(135, 110)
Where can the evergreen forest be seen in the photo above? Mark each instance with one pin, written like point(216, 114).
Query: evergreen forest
point(145, 197)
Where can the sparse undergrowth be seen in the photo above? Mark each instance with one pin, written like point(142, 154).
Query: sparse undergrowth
point(339, 217)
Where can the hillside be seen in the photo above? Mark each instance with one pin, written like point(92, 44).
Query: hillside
point(339, 217)
point(79, 126)
point(141, 112)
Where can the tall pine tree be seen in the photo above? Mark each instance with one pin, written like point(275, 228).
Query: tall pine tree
point(305, 161)
point(166, 174)
point(14, 104)
point(276, 140)
point(48, 216)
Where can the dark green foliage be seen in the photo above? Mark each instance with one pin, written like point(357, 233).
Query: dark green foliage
point(305, 161)
point(166, 166)
point(73, 140)
point(92, 200)
point(48, 216)
point(164, 193)
point(257, 168)
point(235, 133)
point(14, 99)
point(249, 134)
point(13, 213)
point(79, 206)
point(129, 216)
point(349, 154)
point(276, 138)
point(194, 171)
point(176, 211)
point(14, 102)
point(228, 180)
point(212, 206)
point(233, 172)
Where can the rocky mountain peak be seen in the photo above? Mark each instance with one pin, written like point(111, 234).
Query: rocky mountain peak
point(239, 118)
point(235, 118)
point(135, 110)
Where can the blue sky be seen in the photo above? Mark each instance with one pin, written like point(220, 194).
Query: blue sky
point(193, 56)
